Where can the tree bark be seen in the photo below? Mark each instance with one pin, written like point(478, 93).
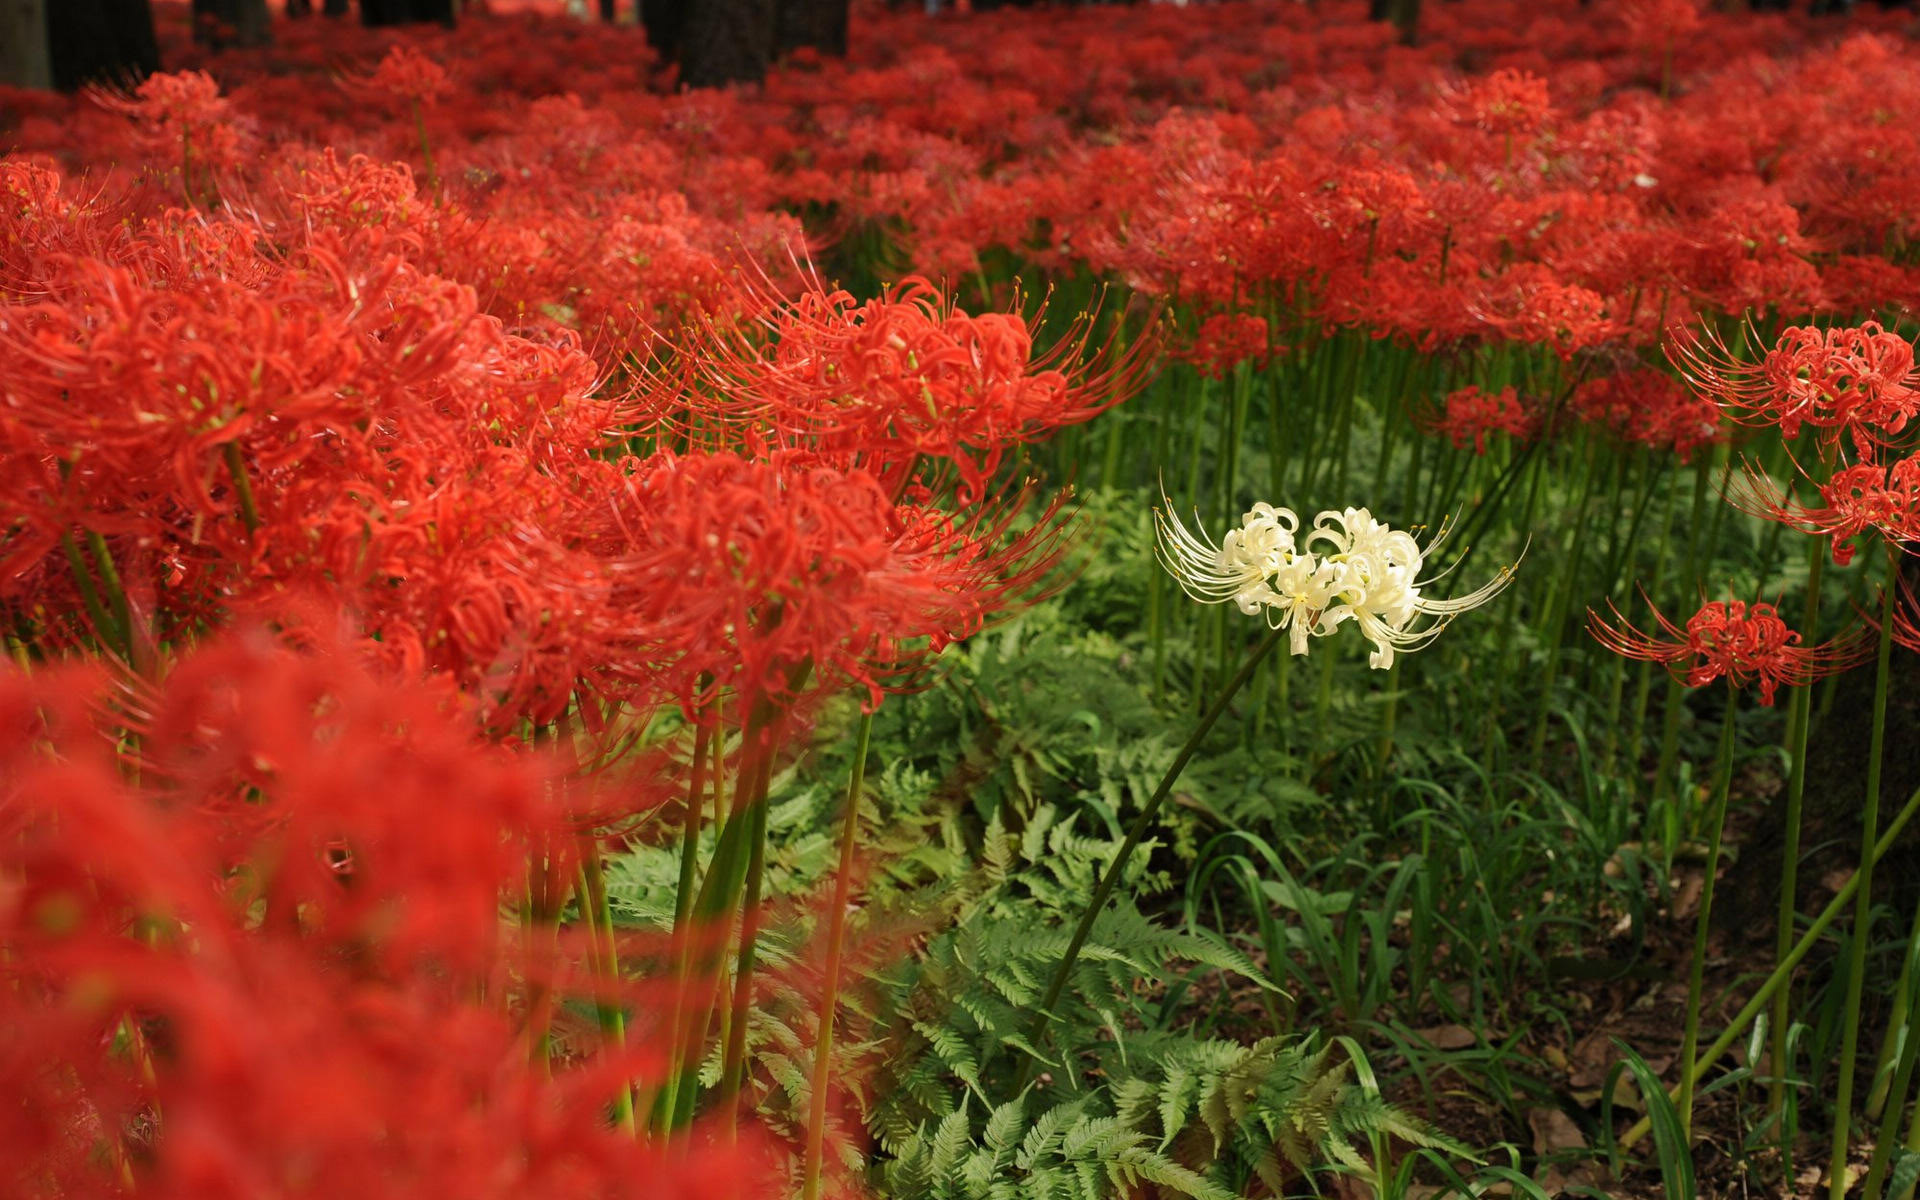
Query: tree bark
point(664, 21)
point(108, 42)
point(218, 24)
point(813, 24)
point(23, 44)
point(726, 41)
point(405, 12)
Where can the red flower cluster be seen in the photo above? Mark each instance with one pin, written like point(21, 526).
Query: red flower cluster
point(1224, 154)
point(182, 114)
point(1471, 415)
point(404, 74)
point(1649, 408)
point(1225, 341)
point(742, 573)
point(887, 383)
point(1878, 496)
point(1860, 381)
point(1733, 641)
point(1857, 388)
point(267, 958)
point(526, 441)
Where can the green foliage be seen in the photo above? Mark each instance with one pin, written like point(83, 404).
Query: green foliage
point(1129, 1095)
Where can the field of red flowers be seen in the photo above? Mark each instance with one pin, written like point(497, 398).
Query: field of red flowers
point(573, 637)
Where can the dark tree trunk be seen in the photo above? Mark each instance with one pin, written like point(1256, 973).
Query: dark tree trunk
point(1405, 15)
point(726, 41)
point(814, 24)
point(109, 42)
point(218, 24)
point(23, 44)
point(299, 8)
point(334, 8)
point(606, 11)
point(405, 12)
point(664, 20)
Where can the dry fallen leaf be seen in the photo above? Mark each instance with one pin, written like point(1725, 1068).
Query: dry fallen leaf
point(1448, 1037)
point(1554, 1131)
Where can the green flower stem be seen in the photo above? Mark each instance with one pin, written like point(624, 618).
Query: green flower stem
point(1670, 714)
point(690, 824)
point(426, 148)
point(116, 593)
point(1276, 432)
point(1104, 890)
point(1560, 591)
point(704, 741)
point(603, 960)
point(1323, 708)
point(546, 896)
point(836, 946)
point(1387, 719)
point(1913, 1130)
point(1903, 1076)
point(1770, 986)
point(242, 486)
point(715, 901)
point(104, 629)
point(1697, 970)
point(1892, 1090)
point(1799, 721)
point(1643, 675)
point(1863, 898)
point(734, 1057)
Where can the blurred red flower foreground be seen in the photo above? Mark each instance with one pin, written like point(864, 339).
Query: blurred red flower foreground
point(382, 470)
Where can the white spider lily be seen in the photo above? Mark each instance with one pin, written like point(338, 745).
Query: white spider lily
point(1238, 568)
point(1383, 588)
point(1348, 567)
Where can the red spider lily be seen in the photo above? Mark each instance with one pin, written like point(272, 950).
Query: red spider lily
point(1733, 641)
point(885, 383)
point(736, 573)
point(1650, 408)
point(1906, 615)
point(1860, 381)
point(274, 963)
point(404, 74)
point(1226, 340)
point(1870, 495)
point(1507, 103)
point(1471, 415)
point(183, 116)
point(1656, 23)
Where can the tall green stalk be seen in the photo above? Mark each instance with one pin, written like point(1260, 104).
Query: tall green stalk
point(735, 852)
point(1799, 721)
point(1770, 986)
point(603, 959)
point(1863, 898)
point(684, 901)
point(1901, 1082)
point(1670, 715)
point(105, 630)
point(734, 1054)
point(830, 987)
point(1697, 969)
point(1896, 1036)
point(1104, 890)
